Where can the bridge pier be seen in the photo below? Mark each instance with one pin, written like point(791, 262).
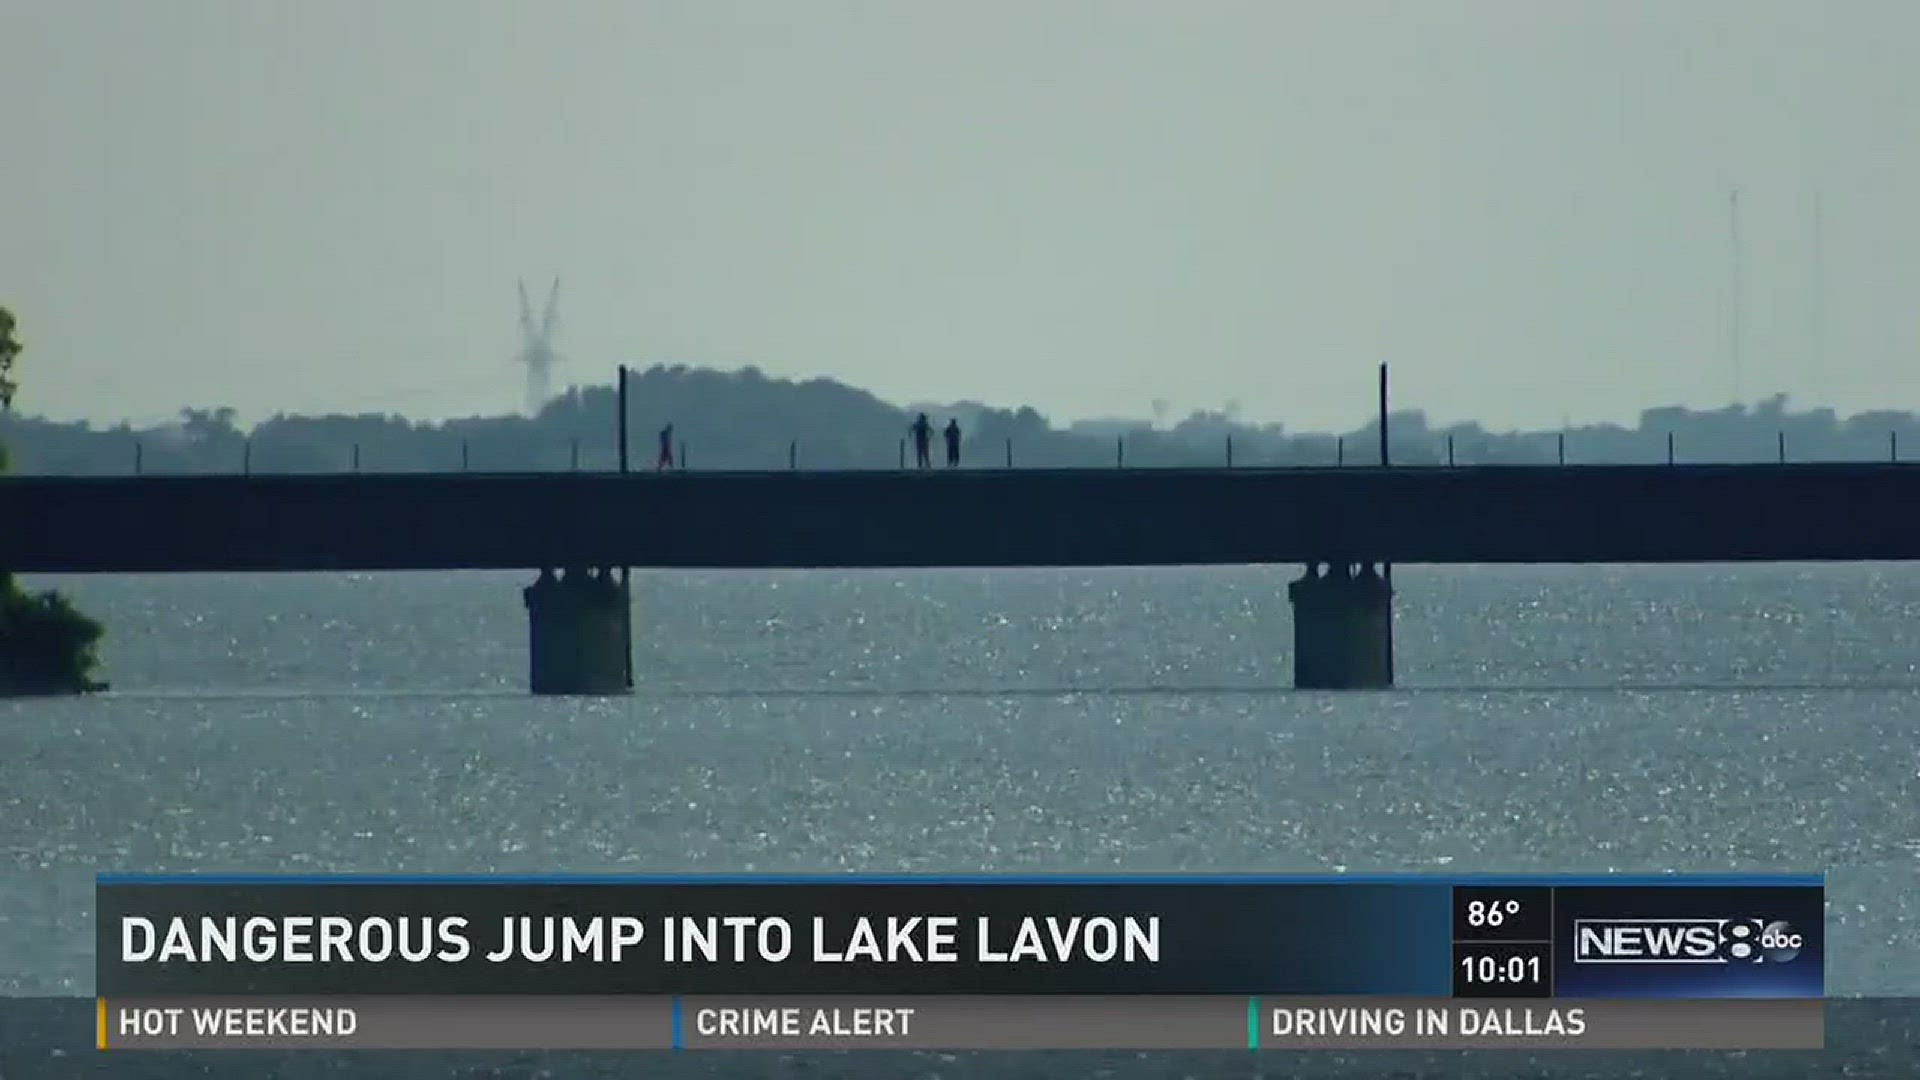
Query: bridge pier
point(579, 632)
point(1342, 628)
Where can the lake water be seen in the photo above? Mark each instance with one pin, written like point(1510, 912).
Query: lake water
point(1548, 719)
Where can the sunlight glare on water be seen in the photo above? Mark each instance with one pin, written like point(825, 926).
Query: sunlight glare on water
point(1548, 719)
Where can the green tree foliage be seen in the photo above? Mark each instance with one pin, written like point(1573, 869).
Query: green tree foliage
point(46, 644)
point(10, 350)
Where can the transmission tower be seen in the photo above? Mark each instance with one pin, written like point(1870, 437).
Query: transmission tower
point(536, 346)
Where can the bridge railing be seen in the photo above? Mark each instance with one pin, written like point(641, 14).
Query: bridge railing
point(149, 454)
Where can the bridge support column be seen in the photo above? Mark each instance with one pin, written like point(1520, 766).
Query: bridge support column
point(1342, 628)
point(579, 633)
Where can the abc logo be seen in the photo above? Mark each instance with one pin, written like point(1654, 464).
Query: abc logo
point(1760, 942)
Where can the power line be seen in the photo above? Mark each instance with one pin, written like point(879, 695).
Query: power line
point(1733, 337)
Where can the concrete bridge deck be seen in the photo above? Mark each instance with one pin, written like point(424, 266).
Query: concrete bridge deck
point(988, 517)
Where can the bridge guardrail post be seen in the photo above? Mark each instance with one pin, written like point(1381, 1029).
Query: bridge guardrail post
point(1449, 451)
point(620, 426)
point(1009, 453)
point(1229, 451)
point(1340, 450)
point(1669, 447)
point(1560, 448)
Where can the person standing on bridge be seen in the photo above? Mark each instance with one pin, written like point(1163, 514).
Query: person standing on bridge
point(953, 443)
point(666, 448)
point(922, 441)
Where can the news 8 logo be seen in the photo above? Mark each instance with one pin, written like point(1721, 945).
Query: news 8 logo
point(1758, 941)
point(1685, 941)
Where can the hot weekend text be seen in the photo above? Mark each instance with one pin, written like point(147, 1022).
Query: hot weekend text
point(614, 939)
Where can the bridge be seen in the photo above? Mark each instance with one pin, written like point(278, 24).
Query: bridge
point(985, 518)
point(1348, 525)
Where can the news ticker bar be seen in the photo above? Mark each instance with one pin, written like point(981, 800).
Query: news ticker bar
point(1052, 1022)
point(1634, 938)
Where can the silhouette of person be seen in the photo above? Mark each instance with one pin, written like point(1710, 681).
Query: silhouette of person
point(922, 441)
point(666, 448)
point(953, 443)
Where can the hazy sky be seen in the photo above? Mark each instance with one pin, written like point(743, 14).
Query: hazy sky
point(1523, 206)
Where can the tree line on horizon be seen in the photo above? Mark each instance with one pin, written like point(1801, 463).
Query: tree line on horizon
point(747, 420)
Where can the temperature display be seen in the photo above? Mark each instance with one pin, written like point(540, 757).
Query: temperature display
point(1502, 941)
point(1493, 913)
